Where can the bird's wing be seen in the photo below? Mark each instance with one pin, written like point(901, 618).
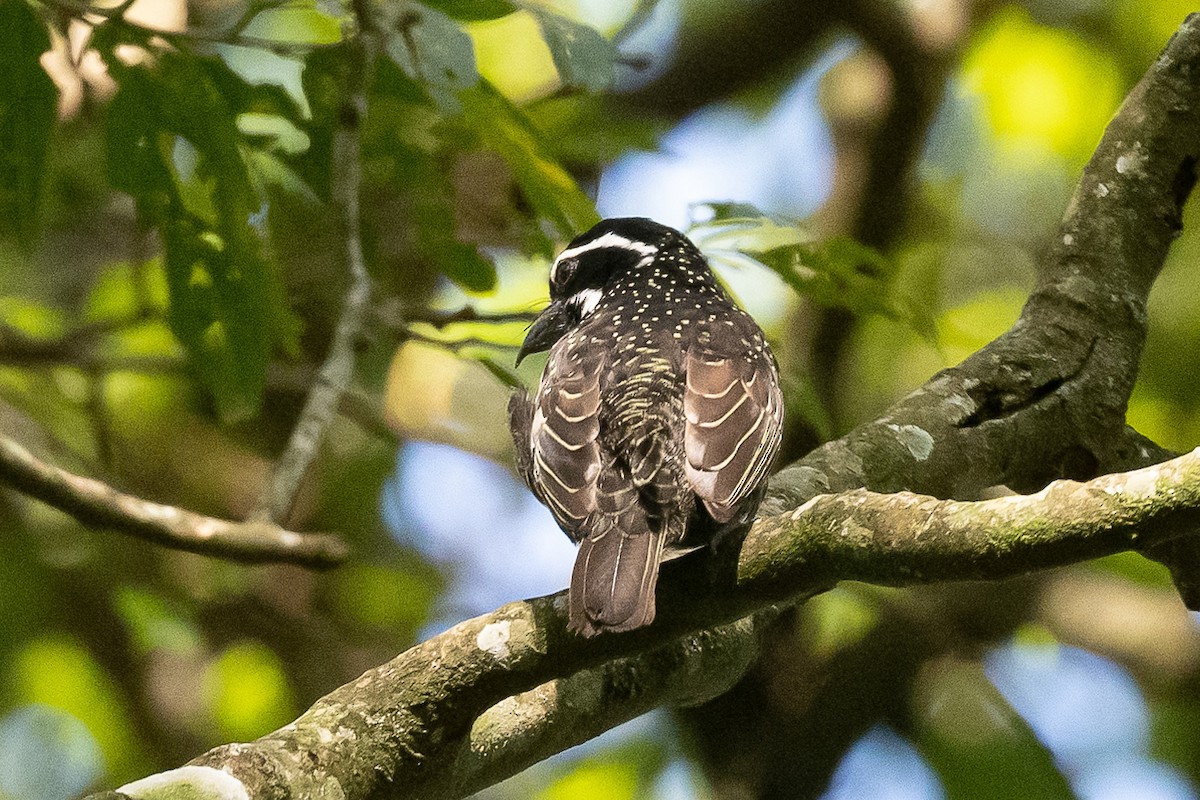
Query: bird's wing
point(563, 434)
point(734, 420)
point(520, 424)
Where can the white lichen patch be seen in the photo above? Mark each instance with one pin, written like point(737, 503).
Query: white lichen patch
point(190, 783)
point(1142, 483)
point(960, 403)
point(1133, 161)
point(916, 439)
point(1101, 190)
point(799, 512)
point(1068, 239)
point(494, 639)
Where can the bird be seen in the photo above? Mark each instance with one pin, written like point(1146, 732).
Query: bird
point(656, 419)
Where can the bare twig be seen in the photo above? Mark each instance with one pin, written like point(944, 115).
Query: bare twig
point(455, 345)
point(441, 319)
point(337, 372)
point(98, 505)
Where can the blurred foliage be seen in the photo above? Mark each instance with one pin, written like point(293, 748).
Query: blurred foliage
point(171, 270)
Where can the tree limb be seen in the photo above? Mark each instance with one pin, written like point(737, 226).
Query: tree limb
point(1045, 399)
point(98, 505)
point(419, 725)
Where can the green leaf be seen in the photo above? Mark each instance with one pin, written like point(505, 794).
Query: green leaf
point(473, 10)
point(551, 191)
point(297, 22)
point(583, 58)
point(174, 144)
point(432, 49)
point(259, 67)
point(277, 132)
point(586, 129)
point(28, 101)
point(248, 691)
point(836, 272)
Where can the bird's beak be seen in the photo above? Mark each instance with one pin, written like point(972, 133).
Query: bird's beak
point(547, 328)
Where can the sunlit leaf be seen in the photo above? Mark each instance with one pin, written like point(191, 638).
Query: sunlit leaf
point(835, 272)
point(123, 290)
point(435, 395)
point(838, 619)
point(1043, 83)
point(595, 780)
point(28, 101)
point(964, 329)
point(248, 691)
point(513, 57)
point(59, 673)
point(385, 598)
point(583, 57)
point(30, 319)
point(259, 67)
point(297, 22)
point(279, 132)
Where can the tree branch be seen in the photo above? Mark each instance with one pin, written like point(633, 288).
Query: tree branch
point(403, 728)
point(1045, 399)
point(98, 505)
point(335, 375)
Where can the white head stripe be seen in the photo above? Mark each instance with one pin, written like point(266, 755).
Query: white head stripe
point(609, 239)
point(587, 300)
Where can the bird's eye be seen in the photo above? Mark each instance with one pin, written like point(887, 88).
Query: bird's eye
point(563, 270)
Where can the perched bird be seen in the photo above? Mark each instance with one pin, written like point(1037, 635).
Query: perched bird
point(656, 418)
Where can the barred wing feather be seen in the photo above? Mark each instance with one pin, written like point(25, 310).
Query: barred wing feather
point(734, 414)
point(563, 440)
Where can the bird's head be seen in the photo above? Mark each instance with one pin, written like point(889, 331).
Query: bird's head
point(589, 266)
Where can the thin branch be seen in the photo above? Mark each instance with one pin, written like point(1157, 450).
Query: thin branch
point(440, 319)
point(98, 505)
point(337, 372)
point(455, 345)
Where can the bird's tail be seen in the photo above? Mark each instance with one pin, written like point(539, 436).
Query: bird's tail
point(616, 571)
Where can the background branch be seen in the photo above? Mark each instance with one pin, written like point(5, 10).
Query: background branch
point(336, 373)
point(98, 505)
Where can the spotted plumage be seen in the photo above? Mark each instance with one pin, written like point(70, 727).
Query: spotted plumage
point(656, 418)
